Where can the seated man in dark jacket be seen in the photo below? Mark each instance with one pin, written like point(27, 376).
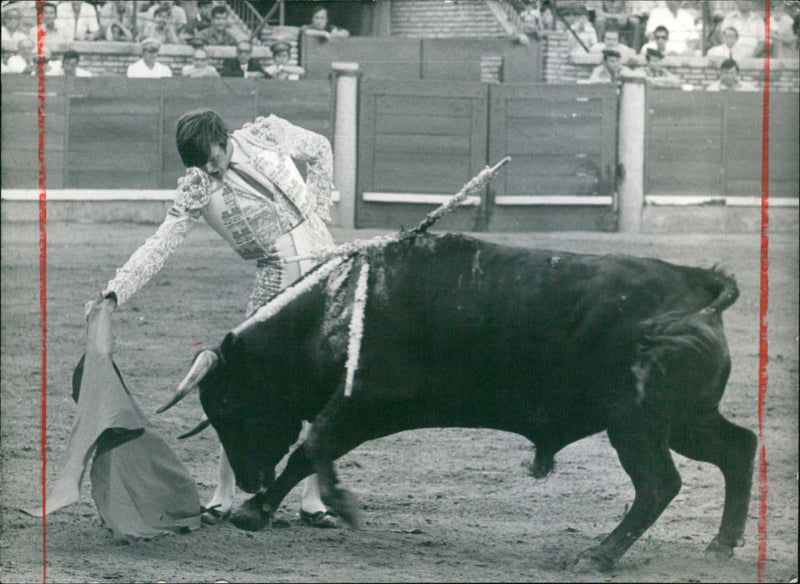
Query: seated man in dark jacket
point(243, 65)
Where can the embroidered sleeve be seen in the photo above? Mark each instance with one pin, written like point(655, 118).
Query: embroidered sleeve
point(192, 195)
point(310, 147)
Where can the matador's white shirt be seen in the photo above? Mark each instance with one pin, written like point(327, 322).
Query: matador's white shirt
point(284, 216)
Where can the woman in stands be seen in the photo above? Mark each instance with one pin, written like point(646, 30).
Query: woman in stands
point(321, 28)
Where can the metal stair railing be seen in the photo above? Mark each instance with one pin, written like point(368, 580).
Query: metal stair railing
point(251, 19)
point(508, 18)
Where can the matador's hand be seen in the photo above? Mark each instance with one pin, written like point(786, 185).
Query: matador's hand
point(110, 300)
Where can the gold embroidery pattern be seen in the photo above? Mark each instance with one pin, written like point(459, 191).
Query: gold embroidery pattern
point(150, 257)
point(304, 145)
point(193, 191)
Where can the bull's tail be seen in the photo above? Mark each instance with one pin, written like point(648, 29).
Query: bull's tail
point(728, 291)
point(687, 337)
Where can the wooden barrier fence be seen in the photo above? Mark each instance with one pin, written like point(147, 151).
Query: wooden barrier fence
point(118, 133)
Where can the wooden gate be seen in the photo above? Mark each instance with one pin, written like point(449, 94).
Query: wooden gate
point(562, 140)
point(420, 141)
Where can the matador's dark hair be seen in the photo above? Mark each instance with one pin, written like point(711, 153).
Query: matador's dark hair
point(195, 132)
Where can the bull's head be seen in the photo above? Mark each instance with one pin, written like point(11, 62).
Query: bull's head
point(236, 397)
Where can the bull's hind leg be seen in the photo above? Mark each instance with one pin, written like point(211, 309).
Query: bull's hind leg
point(641, 444)
point(708, 437)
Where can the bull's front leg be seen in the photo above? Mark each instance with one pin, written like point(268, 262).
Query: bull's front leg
point(332, 434)
point(256, 513)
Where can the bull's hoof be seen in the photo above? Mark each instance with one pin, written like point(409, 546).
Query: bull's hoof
point(541, 465)
point(593, 560)
point(213, 515)
point(721, 550)
point(346, 506)
point(251, 517)
point(321, 519)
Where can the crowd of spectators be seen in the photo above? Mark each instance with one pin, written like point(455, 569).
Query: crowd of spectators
point(639, 35)
point(637, 31)
point(693, 27)
point(150, 24)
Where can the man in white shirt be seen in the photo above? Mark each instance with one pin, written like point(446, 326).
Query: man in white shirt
point(199, 67)
point(69, 63)
point(684, 35)
point(57, 36)
point(148, 66)
point(749, 24)
point(730, 48)
point(12, 33)
point(79, 20)
point(729, 79)
point(24, 61)
point(611, 43)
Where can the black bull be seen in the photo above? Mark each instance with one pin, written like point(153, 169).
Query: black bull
point(462, 333)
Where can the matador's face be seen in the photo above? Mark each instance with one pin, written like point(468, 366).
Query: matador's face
point(219, 159)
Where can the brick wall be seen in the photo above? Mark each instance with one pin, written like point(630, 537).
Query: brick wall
point(557, 65)
point(438, 19)
point(561, 67)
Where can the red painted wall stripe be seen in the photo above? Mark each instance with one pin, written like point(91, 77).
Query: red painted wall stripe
point(763, 349)
point(40, 38)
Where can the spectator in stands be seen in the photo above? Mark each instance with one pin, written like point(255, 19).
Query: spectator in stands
point(611, 42)
point(199, 22)
point(321, 28)
point(660, 41)
point(620, 15)
point(530, 14)
point(655, 72)
point(729, 79)
point(243, 65)
point(547, 10)
point(282, 68)
point(783, 37)
point(684, 34)
point(56, 37)
point(219, 32)
point(730, 48)
point(79, 20)
point(199, 67)
point(576, 16)
point(161, 28)
point(177, 15)
point(12, 33)
point(24, 60)
point(148, 66)
point(49, 66)
point(116, 21)
point(750, 26)
point(610, 70)
point(69, 63)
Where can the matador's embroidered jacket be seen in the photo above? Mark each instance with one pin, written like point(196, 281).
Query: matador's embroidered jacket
point(270, 214)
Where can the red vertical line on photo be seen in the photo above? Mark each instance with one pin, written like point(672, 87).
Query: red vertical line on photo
point(40, 40)
point(763, 354)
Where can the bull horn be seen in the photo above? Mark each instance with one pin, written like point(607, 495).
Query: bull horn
point(204, 423)
point(205, 362)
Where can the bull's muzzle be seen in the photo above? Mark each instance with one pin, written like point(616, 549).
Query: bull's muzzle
point(205, 362)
